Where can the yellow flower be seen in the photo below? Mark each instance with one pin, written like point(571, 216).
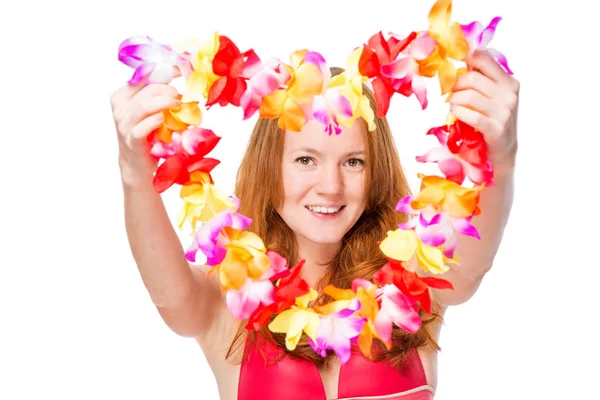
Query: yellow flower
point(178, 120)
point(297, 319)
point(202, 200)
point(351, 87)
point(202, 77)
point(402, 245)
point(245, 258)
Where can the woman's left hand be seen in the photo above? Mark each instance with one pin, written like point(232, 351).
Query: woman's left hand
point(487, 99)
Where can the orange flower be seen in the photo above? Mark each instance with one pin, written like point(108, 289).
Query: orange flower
point(306, 82)
point(451, 44)
point(447, 196)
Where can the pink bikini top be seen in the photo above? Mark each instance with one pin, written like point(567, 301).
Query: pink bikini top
point(296, 379)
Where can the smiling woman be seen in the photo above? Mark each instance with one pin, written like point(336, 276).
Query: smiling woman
point(314, 199)
point(327, 180)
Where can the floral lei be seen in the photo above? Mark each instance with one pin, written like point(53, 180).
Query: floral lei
point(257, 282)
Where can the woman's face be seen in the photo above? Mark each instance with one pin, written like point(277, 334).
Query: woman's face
point(324, 181)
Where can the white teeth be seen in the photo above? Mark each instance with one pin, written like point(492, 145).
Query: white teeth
point(324, 210)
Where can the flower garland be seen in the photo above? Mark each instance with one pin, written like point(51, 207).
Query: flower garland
point(257, 282)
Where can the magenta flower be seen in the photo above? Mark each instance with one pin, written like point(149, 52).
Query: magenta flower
point(159, 62)
point(435, 229)
point(479, 37)
point(209, 238)
point(337, 331)
point(263, 79)
point(189, 142)
point(330, 106)
point(395, 309)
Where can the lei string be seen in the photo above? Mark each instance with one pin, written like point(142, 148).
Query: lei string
point(260, 286)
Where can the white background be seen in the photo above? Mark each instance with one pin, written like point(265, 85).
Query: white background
point(77, 321)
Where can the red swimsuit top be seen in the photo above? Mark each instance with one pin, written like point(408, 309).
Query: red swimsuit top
point(360, 378)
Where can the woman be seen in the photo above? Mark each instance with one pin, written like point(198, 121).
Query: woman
point(327, 200)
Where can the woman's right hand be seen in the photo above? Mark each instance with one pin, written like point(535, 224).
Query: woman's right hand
point(137, 112)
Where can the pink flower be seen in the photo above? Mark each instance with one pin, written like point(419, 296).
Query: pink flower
point(243, 302)
point(155, 61)
point(336, 331)
point(435, 229)
point(330, 105)
point(396, 309)
point(479, 37)
point(404, 70)
point(263, 79)
point(209, 238)
point(190, 142)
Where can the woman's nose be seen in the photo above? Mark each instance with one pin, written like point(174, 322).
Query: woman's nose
point(329, 181)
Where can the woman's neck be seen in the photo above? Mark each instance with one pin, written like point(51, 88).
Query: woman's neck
point(316, 257)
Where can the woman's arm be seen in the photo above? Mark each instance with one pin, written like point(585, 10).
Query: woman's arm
point(477, 256)
point(487, 99)
point(185, 298)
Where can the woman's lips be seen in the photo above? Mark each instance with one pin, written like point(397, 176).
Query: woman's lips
point(326, 216)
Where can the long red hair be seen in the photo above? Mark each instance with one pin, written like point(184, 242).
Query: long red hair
point(260, 189)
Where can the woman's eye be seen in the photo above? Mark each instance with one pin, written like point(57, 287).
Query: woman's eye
point(303, 160)
point(355, 162)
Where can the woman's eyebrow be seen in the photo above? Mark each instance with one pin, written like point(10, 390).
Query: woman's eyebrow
point(318, 153)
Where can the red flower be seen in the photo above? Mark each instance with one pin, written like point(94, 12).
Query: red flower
point(463, 152)
point(409, 282)
point(183, 157)
point(376, 53)
point(290, 287)
point(228, 63)
point(178, 169)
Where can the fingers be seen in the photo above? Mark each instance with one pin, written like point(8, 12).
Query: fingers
point(486, 125)
point(122, 99)
point(136, 141)
point(132, 115)
point(483, 61)
point(151, 106)
point(128, 91)
point(474, 100)
point(157, 89)
point(478, 82)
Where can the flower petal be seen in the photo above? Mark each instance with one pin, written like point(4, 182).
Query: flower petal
point(207, 238)
point(242, 303)
point(278, 264)
point(464, 226)
point(403, 67)
point(501, 59)
point(419, 88)
point(431, 259)
point(400, 309)
point(400, 244)
point(488, 33)
point(422, 46)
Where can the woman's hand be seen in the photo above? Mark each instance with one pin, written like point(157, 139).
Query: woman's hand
point(137, 112)
point(487, 98)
